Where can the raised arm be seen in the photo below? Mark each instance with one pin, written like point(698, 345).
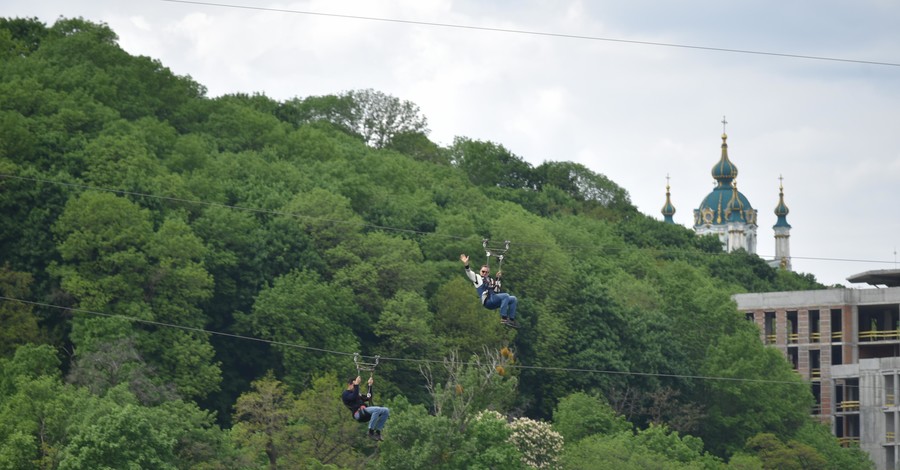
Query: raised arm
point(471, 275)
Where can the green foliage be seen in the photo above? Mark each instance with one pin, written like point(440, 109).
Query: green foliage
point(263, 421)
point(377, 118)
point(461, 389)
point(581, 183)
point(24, 35)
point(128, 437)
point(19, 322)
point(490, 164)
point(418, 440)
point(28, 362)
point(791, 456)
point(301, 309)
point(118, 362)
point(735, 411)
point(461, 322)
point(580, 415)
point(819, 437)
point(654, 447)
point(329, 225)
point(328, 434)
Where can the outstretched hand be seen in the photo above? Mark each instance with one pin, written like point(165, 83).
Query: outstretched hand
point(464, 258)
point(371, 380)
point(499, 273)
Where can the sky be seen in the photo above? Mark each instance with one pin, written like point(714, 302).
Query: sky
point(632, 90)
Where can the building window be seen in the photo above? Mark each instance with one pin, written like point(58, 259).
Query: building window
point(815, 365)
point(837, 355)
point(792, 324)
point(889, 392)
point(817, 394)
point(770, 328)
point(836, 326)
point(815, 334)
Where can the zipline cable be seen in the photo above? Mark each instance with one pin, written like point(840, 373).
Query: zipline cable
point(402, 359)
point(533, 33)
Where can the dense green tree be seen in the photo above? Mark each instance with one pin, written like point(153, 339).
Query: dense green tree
point(121, 438)
point(461, 322)
point(790, 456)
point(328, 433)
point(238, 127)
point(581, 183)
point(118, 362)
point(305, 315)
point(491, 164)
point(416, 144)
point(404, 329)
point(18, 319)
point(374, 116)
point(338, 110)
point(114, 263)
point(25, 35)
point(580, 415)
point(415, 439)
point(459, 389)
point(30, 361)
point(654, 447)
point(819, 437)
point(264, 421)
point(749, 370)
point(379, 116)
point(35, 408)
point(39, 416)
point(376, 267)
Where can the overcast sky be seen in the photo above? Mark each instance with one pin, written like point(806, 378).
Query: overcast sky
point(577, 92)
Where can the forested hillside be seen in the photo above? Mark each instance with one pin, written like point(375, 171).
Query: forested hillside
point(185, 280)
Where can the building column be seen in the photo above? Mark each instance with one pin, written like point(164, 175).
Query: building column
point(826, 386)
point(759, 317)
point(781, 330)
point(849, 317)
point(803, 326)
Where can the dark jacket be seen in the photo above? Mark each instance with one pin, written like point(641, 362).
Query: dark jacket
point(357, 403)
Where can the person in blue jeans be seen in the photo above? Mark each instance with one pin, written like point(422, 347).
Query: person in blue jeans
point(489, 292)
point(376, 416)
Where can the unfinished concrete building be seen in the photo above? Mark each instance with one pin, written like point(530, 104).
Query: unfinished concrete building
point(846, 343)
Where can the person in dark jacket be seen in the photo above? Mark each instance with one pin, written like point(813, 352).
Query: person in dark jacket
point(376, 416)
point(489, 293)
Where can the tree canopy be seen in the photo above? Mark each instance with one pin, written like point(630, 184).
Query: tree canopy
point(186, 280)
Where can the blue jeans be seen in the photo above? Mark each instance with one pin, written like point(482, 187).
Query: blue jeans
point(505, 302)
point(380, 414)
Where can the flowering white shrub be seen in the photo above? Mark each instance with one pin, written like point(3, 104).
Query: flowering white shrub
point(539, 444)
point(489, 414)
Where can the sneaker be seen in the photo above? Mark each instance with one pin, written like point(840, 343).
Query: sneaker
point(378, 436)
point(511, 323)
point(504, 320)
point(373, 436)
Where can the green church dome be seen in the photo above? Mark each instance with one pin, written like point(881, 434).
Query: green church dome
point(724, 171)
point(725, 204)
point(781, 210)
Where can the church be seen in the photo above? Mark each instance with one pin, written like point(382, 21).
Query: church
point(727, 213)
